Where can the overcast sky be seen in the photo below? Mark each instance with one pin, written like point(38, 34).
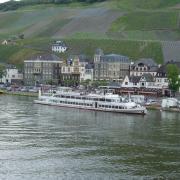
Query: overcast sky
point(1, 1)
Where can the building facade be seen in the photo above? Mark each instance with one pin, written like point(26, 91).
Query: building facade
point(71, 72)
point(12, 75)
point(143, 66)
point(77, 68)
point(161, 77)
point(42, 69)
point(144, 81)
point(111, 67)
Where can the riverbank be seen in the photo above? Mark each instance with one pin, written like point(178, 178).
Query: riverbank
point(17, 93)
point(158, 107)
point(153, 107)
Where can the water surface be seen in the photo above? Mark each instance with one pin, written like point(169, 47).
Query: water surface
point(41, 142)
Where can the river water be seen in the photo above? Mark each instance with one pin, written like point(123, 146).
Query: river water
point(41, 142)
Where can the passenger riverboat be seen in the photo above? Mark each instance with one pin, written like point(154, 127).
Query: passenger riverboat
point(100, 102)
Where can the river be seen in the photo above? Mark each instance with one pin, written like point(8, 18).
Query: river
point(47, 143)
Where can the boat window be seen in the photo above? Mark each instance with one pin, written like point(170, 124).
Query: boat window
point(108, 100)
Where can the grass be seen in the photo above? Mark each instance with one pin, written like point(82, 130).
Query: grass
point(146, 21)
point(164, 35)
point(142, 4)
point(15, 54)
point(133, 49)
point(143, 20)
point(86, 35)
point(53, 27)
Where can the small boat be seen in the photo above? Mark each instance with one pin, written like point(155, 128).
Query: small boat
point(98, 102)
point(1, 91)
point(170, 104)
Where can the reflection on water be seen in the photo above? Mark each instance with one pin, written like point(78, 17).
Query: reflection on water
point(42, 142)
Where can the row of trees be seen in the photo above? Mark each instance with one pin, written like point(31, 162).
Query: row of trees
point(13, 5)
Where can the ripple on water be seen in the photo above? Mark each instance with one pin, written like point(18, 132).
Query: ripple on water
point(42, 142)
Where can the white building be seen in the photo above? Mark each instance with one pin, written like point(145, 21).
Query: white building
point(12, 75)
point(144, 81)
point(89, 71)
point(86, 72)
point(59, 46)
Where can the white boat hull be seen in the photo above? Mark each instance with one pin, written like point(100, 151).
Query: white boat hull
point(137, 110)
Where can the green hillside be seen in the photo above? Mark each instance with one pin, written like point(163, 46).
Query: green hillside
point(134, 49)
point(144, 4)
point(130, 27)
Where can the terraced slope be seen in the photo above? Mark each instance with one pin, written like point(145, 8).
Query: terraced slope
point(117, 23)
point(92, 20)
point(171, 50)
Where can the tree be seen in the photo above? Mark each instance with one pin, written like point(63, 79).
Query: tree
point(2, 71)
point(173, 77)
point(98, 83)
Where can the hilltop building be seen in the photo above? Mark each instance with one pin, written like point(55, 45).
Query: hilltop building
point(59, 46)
point(42, 69)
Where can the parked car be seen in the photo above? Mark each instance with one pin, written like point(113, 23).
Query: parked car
point(9, 88)
point(33, 89)
point(2, 86)
point(24, 89)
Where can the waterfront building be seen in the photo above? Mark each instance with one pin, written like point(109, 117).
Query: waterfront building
point(12, 75)
point(161, 76)
point(110, 67)
point(89, 71)
point(77, 69)
point(144, 81)
point(42, 69)
point(70, 72)
point(161, 79)
point(143, 66)
point(59, 46)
